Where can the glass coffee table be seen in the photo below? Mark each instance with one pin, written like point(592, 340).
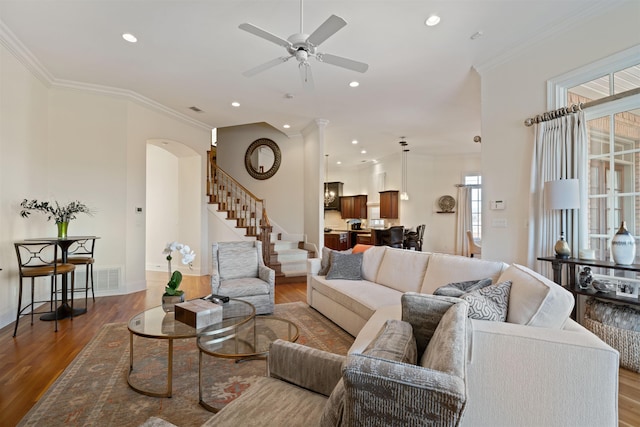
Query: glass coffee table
point(249, 340)
point(155, 323)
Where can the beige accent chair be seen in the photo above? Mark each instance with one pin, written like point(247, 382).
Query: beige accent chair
point(239, 272)
point(474, 248)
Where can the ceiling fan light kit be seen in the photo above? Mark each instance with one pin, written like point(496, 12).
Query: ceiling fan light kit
point(302, 46)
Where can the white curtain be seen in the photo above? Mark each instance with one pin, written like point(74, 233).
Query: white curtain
point(560, 152)
point(463, 220)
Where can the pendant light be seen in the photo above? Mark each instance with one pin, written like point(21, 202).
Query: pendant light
point(403, 194)
point(329, 196)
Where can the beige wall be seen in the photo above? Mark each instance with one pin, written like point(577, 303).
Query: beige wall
point(66, 144)
point(515, 90)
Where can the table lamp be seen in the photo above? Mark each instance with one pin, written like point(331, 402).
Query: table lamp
point(561, 195)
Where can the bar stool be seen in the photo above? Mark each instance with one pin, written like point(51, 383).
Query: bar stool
point(81, 253)
point(38, 259)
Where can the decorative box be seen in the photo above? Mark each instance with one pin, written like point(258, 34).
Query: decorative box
point(198, 313)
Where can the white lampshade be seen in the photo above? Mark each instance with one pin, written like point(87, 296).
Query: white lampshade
point(562, 194)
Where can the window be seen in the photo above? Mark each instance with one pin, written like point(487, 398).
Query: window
point(475, 182)
point(613, 130)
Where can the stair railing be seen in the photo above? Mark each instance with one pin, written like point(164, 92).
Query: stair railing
point(249, 211)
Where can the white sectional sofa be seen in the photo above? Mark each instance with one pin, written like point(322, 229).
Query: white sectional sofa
point(539, 368)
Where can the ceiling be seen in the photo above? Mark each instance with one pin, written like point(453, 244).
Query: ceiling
point(421, 83)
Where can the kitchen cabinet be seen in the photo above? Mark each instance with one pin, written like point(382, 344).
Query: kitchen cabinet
point(389, 204)
point(336, 188)
point(338, 241)
point(353, 206)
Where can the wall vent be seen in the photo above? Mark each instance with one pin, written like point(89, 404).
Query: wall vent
point(105, 279)
point(196, 109)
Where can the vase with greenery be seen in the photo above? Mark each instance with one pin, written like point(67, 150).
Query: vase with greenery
point(61, 214)
point(172, 295)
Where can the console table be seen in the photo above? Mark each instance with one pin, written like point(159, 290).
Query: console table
point(575, 289)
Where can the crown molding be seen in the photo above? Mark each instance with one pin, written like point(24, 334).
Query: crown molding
point(24, 55)
point(548, 31)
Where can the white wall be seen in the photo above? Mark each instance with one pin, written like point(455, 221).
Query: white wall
point(67, 144)
point(283, 191)
point(515, 90)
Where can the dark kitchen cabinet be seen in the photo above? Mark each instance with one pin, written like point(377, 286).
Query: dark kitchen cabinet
point(389, 204)
point(353, 206)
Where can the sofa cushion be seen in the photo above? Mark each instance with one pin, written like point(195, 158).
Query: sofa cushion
point(402, 270)
point(371, 262)
point(457, 289)
point(325, 262)
point(535, 300)
point(489, 303)
point(395, 342)
point(446, 351)
point(237, 259)
point(244, 287)
point(345, 266)
point(444, 268)
point(359, 296)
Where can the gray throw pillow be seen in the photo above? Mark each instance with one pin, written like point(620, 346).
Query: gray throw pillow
point(489, 303)
point(325, 262)
point(345, 266)
point(458, 289)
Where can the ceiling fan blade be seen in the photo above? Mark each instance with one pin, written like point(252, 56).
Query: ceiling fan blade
point(257, 31)
point(328, 28)
point(306, 76)
point(260, 68)
point(349, 64)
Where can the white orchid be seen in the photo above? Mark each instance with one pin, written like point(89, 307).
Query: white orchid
point(187, 254)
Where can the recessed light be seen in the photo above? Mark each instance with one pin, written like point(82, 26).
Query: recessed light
point(363, 152)
point(235, 104)
point(432, 21)
point(354, 142)
point(354, 84)
point(129, 37)
point(286, 126)
point(338, 162)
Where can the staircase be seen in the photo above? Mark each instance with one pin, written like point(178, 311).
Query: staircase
point(285, 257)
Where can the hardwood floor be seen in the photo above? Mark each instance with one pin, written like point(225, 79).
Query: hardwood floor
point(30, 362)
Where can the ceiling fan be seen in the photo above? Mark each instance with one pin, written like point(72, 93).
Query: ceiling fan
point(303, 46)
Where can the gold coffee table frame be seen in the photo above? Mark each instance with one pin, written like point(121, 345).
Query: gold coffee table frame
point(155, 323)
point(246, 341)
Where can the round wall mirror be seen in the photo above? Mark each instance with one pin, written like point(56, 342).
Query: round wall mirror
point(262, 159)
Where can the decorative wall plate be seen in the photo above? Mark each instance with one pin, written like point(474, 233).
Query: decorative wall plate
point(447, 203)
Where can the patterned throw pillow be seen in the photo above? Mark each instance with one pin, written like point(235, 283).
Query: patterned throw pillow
point(460, 288)
point(489, 303)
point(345, 266)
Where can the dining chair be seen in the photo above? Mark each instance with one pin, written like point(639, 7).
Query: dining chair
point(474, 248)
point(39, 259)
point(81, 253)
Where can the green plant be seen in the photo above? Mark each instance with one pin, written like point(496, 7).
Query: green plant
point(59, 213)
point(174, 284)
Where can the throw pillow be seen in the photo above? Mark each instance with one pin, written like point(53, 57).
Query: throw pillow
point(345, 266)
point(394, 342)
point(489, 303)
point(361, 248)
point(325, 263)
point(458, 289)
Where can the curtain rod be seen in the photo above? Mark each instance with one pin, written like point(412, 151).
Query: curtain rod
point(573, 108)
point(468, 185)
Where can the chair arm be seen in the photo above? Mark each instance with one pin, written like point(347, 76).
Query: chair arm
point(306, 367)
point(268, 275)
point(215, 281)
point(393, 393)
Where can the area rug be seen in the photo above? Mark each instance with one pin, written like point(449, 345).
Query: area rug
point(93, 390)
